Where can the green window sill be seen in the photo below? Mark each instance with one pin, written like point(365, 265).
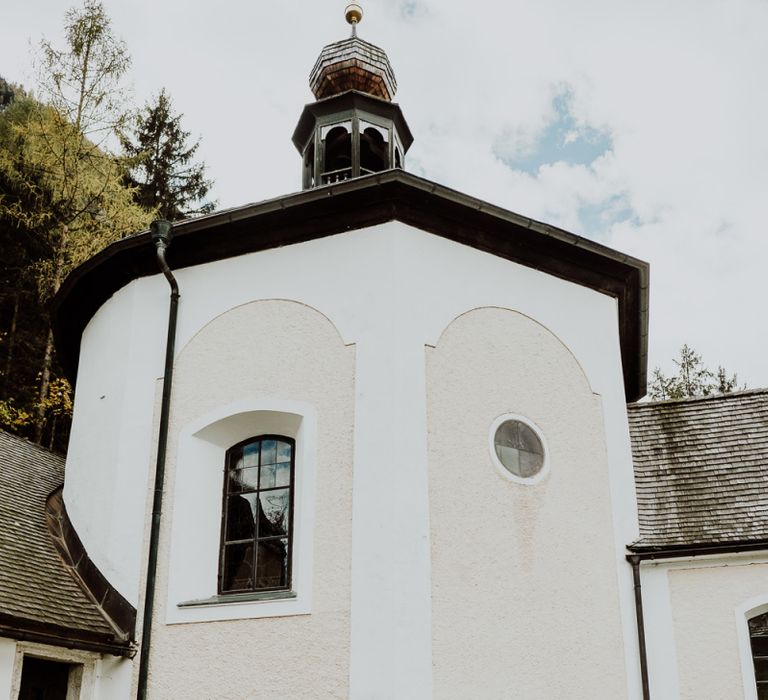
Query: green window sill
point(252, 597)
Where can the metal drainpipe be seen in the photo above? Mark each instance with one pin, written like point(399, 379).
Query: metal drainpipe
point(161, 236)
point(634, 560)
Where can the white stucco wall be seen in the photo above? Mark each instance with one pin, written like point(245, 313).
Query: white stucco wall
point(390, 290)
point(111, 442)
point(286, 352)
point(524, 585)
point(113, 678)
point(712, 650)
point(7, 656)
point(661, 652)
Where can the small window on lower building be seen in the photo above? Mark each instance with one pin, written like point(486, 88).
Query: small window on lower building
point(42, 679)
point(758, 638)
point(257, 527)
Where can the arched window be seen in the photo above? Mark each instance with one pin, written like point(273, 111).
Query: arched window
point(373, 151)
point(758, 639)
point(337, 163)
point(257, 517)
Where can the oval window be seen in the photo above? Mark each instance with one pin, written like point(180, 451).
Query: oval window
point(518, 448)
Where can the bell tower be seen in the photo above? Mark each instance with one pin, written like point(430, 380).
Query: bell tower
point(353, 128)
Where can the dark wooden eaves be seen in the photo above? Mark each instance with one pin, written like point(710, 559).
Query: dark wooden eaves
point(355, 204)
point(347, 102)
point(29, 630)
point(116, 610)
point(41, 598)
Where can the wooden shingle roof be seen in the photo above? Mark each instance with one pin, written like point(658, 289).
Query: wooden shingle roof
point(39, 599)
point(353, 64)
point(701, 470)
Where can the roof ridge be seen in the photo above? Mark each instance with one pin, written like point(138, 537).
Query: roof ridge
point(697, 399)
point(353, 39)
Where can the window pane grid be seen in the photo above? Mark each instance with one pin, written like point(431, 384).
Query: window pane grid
point(758, 629)
point(257, 521)
point(518, 448)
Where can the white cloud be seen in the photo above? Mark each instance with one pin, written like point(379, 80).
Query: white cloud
point(677, 86)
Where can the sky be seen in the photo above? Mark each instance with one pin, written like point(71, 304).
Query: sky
point(640, 125)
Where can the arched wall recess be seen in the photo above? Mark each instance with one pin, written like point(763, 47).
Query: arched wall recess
point(490, 365)
point(267, 367)
point(440, 332)
point(293, 303)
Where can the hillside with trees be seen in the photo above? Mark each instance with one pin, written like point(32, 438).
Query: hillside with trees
point(65, 195)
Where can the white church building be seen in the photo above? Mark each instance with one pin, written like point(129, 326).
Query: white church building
point(394, 453)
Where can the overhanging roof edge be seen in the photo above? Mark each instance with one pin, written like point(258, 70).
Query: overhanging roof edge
point(359, 203)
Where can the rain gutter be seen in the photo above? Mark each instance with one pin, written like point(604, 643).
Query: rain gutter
point(640, 553)
point(634, 560)
point(161, 237)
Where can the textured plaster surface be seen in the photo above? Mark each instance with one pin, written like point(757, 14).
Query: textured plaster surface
point(524, 584)
point(704, 599)
point(288, 351)
point(111, 441)
point(113, 678)
point(389, 290)
point(7, 657)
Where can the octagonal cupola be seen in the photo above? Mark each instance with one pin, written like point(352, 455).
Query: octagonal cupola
point(354, 128)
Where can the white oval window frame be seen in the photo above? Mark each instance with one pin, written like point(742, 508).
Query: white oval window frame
point(497, 463)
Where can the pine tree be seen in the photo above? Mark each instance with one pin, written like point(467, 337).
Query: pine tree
point(162, 171)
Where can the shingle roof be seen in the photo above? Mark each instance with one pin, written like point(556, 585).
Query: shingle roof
point(353, 64)
point(37, 595)
point(701, 470)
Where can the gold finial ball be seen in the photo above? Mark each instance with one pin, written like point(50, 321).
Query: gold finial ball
point(353, 14)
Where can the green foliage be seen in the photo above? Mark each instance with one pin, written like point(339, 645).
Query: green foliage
point(160, 163)
point(64, 196)
point(693, 378)
point(64, 189)
point(13, 418)
point(62, 199)
point(58, 402)
point(9, 92)
point(82, 81)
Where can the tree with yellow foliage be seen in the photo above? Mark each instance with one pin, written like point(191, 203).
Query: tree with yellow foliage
point(57, 180)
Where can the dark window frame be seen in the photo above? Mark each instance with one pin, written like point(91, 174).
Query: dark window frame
point(232, 454)
point(50, 675)
point(758, 645)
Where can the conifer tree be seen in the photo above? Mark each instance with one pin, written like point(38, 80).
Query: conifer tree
point(161, 168)
point(692, 379)
point(7, 93)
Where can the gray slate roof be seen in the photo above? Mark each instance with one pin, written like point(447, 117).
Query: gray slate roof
point(36, 592)
point(701, 470)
